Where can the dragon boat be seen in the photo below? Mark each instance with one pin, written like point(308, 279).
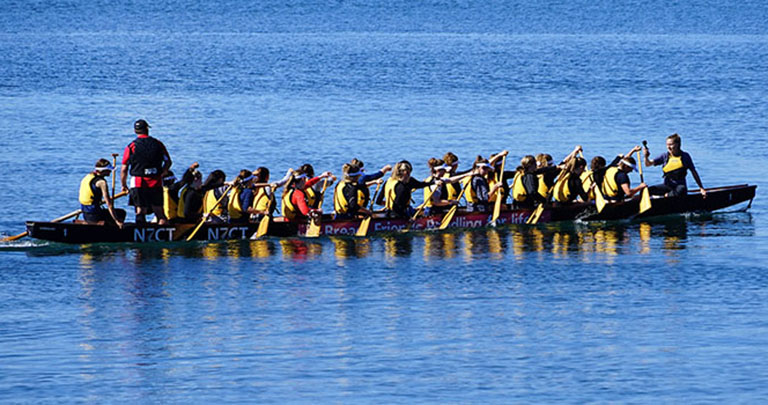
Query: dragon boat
point(78, 232)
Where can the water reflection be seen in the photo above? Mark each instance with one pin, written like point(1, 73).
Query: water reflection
point(587, 242)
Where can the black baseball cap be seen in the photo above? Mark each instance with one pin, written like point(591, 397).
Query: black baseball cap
point(140, 125)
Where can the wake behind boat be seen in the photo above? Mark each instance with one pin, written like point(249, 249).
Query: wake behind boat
point(78, 232)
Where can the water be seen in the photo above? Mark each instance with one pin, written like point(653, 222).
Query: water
point(669, 310)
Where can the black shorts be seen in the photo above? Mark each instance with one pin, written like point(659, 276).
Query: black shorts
point(146, 197)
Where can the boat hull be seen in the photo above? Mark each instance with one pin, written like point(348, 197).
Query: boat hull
point(81, 233)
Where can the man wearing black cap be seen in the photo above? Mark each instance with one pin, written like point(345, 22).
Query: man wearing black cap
point(147, 160)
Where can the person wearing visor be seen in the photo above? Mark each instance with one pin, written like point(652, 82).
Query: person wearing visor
point(480, 191)
point(147, 161)
point(351, 196)
point(93, 188)
point(616, 185)
point(438, 201)
point(675, 163)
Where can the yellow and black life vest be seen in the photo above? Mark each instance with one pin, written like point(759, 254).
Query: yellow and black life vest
point(209, 200)
point(543, 187)
point(562, 190)
point(674, 165)
point(181, 206)
point(234, 207)
point(586, 184)
point(89, 193)
point(289, 210)
point(389, 193)
point(519, 193)
point(311, 196)
point(492, 183)
point(170, 207)
point(610, 188)
point(470, 194)
point(452, 189)
point(263, 201)
point(340, 203)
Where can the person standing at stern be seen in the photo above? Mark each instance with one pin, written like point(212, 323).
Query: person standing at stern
point(147, 160)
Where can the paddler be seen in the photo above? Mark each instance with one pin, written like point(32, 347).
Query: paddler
point(350, 197)
point(616, 184)
point(190, 206)
point(93, 188)
point(264, 202)
point(241, 196)
point(571, 185)
point(548, 172)
point(147, 160)
point(398, 189)
point(313, 191)
point(480, 193)
point(675, 164)
point(213, 188)
point(454, 189)
point(525, 185)
point(171, 188)
point(295, 206)
point(438, 201)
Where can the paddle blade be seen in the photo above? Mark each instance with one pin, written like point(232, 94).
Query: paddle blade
point(314, 229)
point(263, 226)
point(599, 201)
point(448, 217)
point(645, 201)
point(364, 225)
point(14, 237)
point(534, 218)
point(194, 232)
point(496, 210)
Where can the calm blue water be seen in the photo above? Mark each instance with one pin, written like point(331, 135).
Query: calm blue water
point(671, 310)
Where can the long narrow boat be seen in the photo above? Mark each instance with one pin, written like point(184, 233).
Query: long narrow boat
point(78, 232)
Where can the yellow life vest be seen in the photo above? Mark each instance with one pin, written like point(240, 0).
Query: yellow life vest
point(389, 193)
point(673, 163)
point(543, 188)
point(311, 197)
point(340, 204)
point(470, 194)
point(518, 189)
point(452, 189)
point(262, 201)
point(492, 183)
point(562, 190)
point(586, 184)
point(234, 207)
point(170, 207)
point(289, 210)
point(180, 206)
point(209, 200)
point(610, 188)
point(89, 193)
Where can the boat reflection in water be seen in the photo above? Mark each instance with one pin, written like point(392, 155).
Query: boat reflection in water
point(590, 242)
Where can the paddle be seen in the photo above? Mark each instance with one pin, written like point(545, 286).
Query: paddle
point(362, 230)
point(114, 164)
point(499, 192)
point(314, 225)
point(452, 212)
point(59, 219)
point(645, 199)
point(264, 223)
point(205, 216)
point(420, 209)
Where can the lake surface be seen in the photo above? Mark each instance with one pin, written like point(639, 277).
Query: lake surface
point(668, 310)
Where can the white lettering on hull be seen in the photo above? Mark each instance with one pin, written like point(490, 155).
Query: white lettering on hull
point(153, 234)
